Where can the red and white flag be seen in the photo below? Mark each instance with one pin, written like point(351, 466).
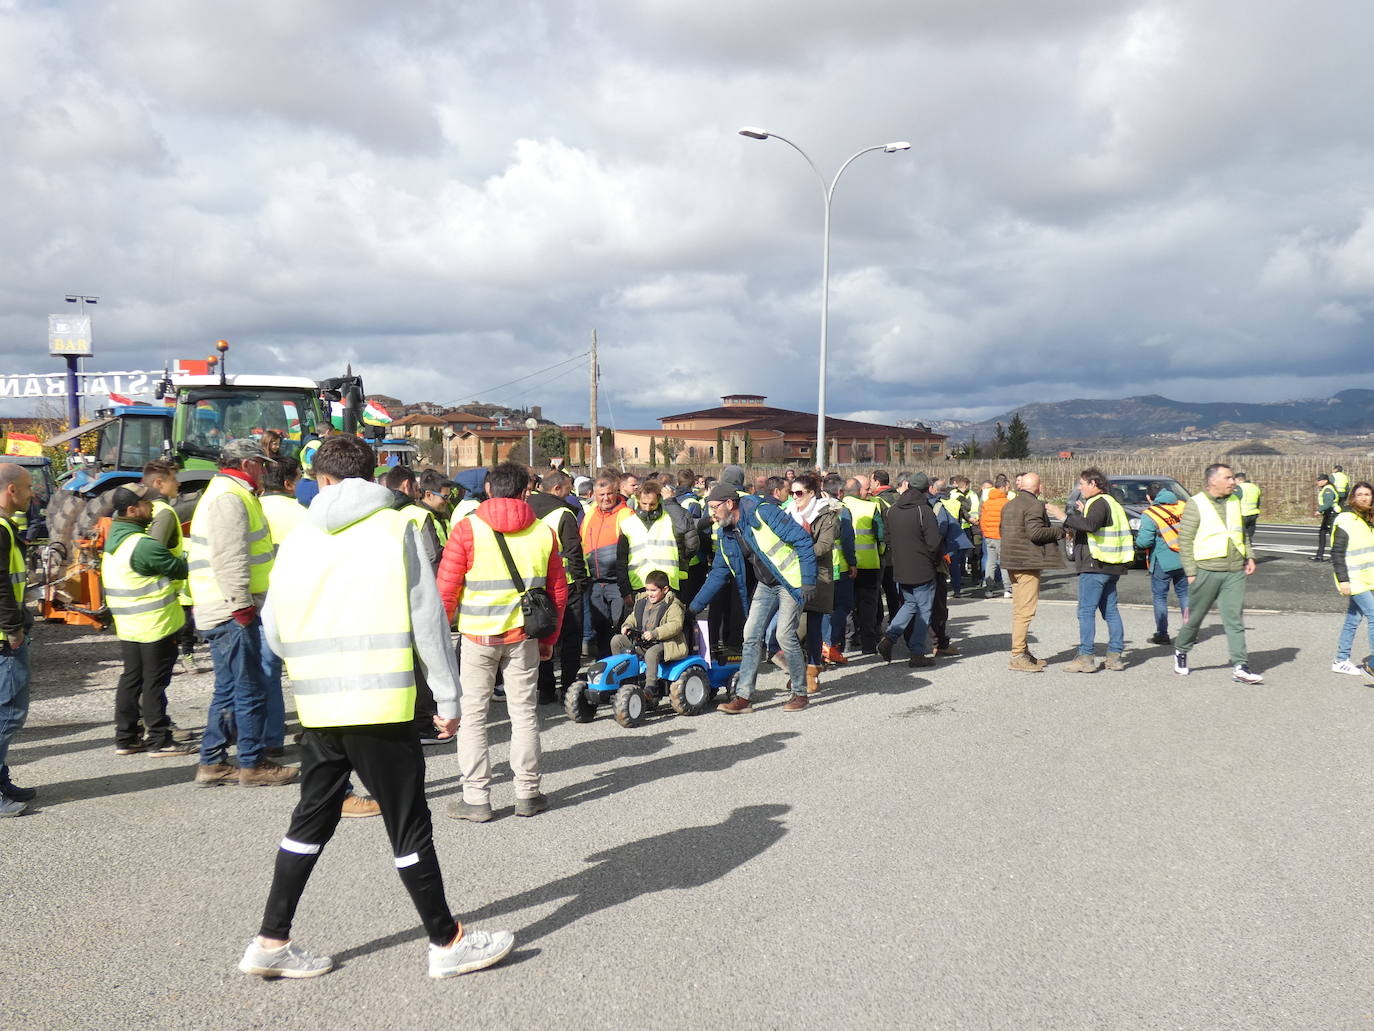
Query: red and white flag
point(120, 399)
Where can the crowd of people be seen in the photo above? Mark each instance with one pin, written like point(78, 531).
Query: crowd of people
point(399, 607)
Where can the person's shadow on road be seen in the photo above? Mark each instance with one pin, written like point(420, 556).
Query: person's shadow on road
point(690, 857)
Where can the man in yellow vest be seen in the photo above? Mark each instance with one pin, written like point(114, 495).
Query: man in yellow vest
point(551, 507)
point(1217, 561)
point(16, 491)
point(1328, 507)
point(160, 479)
point(1103, 549)
point(139, 578)
point(1352, 564)
point(479, 583)
point(354, 612)
point(435, 489)
point(1341, 481)
point(869, 545)
point(1249, 494)
point(405, 494)
point(1158, 536)
point(230, 560)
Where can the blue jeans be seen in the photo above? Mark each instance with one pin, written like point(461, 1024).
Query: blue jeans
point(913, 618)
point(1361, 607)
point(239, 704)
point(14, 695)
point(992, 563)
point(274, 715)
point(1160, 582)
point(833, 623)
point(1097, 593)
point(765, 602)
point(956, 569)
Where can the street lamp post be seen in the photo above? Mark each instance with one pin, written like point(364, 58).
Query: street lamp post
point(448, 435)
point(74, 398)
point(827, 194)
point(530, 424)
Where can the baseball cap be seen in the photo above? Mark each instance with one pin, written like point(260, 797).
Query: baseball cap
point(919, 482)
point(241, 448)
point(723, 492)
point(123, 497)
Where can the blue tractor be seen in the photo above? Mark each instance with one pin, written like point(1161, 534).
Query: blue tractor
point(688, 684)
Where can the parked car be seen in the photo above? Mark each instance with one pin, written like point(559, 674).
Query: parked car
point(1130, 491)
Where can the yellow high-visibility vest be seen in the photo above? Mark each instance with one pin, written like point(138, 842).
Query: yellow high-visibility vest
point(1249, 499)
point(145, 608)
point(1213, 536)
point(465, 508)
point(19, 570)
point(1329, 496)
point(341, 607)
point(1359, 551)
point(552, 521)
point(490, 605)
point(651, 547)
point(204, 587)
point(864, 512)
point(1341, 482)
point(1113, 544)
point(284, 513)
point(177, 546)
point(779, 552)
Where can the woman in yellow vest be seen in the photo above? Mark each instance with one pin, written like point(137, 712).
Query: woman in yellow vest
point(139, 578)
point(1103, 550)
point(1352, 562)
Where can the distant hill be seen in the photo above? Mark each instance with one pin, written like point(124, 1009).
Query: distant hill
point(1162, 420)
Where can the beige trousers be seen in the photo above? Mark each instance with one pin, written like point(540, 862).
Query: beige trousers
point(479, 664)
point(1025, 596)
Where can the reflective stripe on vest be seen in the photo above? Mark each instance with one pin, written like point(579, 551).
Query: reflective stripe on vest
point(1111, 545)
point(283, 513)
point(651, 547)
point(1167, 518)
point(341, 606)
point(1213, 536)
point(1249, 499)
point(490, 605)
point(781, 555)
point(18, 570)
point(738, 574)
point(1359, 551)
point(865, 538)
point(145, 608)
point(177, 546)
point(553, 520)
point(202, 580)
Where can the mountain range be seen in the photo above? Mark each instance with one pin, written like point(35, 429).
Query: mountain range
point(1150, 416)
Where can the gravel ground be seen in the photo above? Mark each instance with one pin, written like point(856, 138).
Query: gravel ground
point(960, 848)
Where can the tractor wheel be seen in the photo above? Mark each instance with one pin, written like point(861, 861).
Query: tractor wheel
point(691, 692)
point(630, 705)
point(577, 705)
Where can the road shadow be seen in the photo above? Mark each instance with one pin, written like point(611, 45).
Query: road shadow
point(1272, 658)
point(161, 776)
point(679, 860)
point(23, 752)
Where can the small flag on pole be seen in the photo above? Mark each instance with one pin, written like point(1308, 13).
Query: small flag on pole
point(336, 414)
point(375, 415)
point(120, 399)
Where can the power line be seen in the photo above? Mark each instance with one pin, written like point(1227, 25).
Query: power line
point(536, 372)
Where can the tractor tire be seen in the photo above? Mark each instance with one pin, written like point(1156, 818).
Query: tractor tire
point(691, 692)
point(576, 703)
point(630, 705)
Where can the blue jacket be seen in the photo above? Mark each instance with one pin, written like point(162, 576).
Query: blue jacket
point(955, 539)
point(730, 554)
point(1162, 557)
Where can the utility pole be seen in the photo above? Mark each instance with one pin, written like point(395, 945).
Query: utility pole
point(595, 441)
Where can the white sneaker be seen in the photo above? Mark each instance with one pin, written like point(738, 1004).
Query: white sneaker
point(1347, 667)
point(1181, 663)
point(1242, 675)
point(474, 951)
point(288, 961)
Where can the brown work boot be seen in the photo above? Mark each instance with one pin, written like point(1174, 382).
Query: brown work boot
point(267, 774)
point(1114, 662)
point(1039, 662)
point(219, 773)
point(1025, 664)
point(947, 649)
point(796, 703)
point(356, 807)
point(735, 706)
point(813, 679)
point(1082, 664)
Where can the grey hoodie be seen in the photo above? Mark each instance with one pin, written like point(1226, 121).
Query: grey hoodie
point(342, 505)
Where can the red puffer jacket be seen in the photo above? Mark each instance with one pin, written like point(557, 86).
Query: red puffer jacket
point(504, 515)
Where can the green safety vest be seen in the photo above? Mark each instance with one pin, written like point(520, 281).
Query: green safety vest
point(864, 511)
point(1213, 536)
point(350, 658)
point(780, 553)
point(204, 586)
point(1342, 484)
point(1114, 544)
point(651, 547)
point(19, 575)
point(145, 608)
point(490, 605)
point(1359, 551)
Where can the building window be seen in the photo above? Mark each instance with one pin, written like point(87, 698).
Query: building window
point(803, 449)
point(691, 452)
point(636, 452)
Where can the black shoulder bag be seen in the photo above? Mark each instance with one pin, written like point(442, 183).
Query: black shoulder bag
point(541, 614)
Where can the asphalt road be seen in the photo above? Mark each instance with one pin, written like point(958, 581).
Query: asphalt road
point(963, 848)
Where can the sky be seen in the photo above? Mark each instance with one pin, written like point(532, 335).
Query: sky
point(1102, 198)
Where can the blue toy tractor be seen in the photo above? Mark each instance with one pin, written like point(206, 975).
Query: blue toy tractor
point(688, 684)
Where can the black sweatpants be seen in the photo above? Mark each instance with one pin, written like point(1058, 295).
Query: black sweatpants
point(1324, 532)
point(567, 651)
point(391, 764)
point(186, 636)
point(868, 607)
point(141, 694)
point(939, 611)
point(891, 595)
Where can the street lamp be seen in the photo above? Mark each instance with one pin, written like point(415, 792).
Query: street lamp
point(827, 193)
point(530, 424)
point(448, 451)
point(75, 364)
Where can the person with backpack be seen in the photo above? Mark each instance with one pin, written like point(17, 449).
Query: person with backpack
point(1158, 534)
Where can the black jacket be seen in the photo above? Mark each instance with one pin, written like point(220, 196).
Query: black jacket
point(569, 539)
point(913, 539)
point(679, 525)
point(1098, 517)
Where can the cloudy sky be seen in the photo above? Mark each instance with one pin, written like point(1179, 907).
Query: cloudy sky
point(1102, 197)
